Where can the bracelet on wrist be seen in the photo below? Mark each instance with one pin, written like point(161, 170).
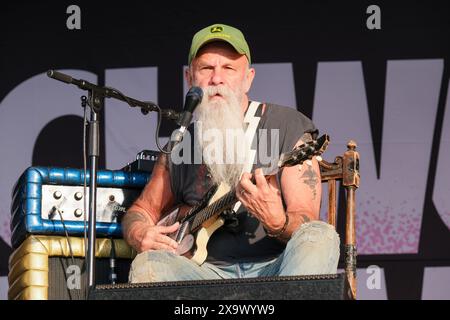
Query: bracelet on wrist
point(279, 233)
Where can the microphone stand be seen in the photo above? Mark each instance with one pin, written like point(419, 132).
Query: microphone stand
point(95, 102)
point(96, 95)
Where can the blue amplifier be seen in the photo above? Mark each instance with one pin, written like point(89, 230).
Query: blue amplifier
point(48, 200)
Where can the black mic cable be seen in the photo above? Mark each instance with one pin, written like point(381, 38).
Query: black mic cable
point(112, 263)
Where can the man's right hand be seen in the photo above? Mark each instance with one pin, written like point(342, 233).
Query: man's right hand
point(155, 237)
point(142, 234)
point(138, 224)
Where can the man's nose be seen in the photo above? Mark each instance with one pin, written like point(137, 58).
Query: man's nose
point(216, 78)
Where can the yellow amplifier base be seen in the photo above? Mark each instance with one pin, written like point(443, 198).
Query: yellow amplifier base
point(29, 263)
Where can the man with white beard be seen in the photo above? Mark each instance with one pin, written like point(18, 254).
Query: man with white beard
point(276, 230)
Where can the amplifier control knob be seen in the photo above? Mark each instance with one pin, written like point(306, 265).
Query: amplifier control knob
point(78, 213)
point(78, 196)
point(57, 195)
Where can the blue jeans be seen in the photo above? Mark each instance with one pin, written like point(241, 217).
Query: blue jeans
point(312, 249)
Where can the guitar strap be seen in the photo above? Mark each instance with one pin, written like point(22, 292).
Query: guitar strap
point(251, 118)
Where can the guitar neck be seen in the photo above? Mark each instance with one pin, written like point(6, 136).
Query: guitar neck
point(297, 156)
point(216, 207)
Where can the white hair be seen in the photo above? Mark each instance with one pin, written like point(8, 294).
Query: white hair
point(221, 137)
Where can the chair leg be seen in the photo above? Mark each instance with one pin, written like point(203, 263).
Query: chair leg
point(350, 241)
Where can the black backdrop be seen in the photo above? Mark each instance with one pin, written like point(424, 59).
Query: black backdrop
point(33, 39)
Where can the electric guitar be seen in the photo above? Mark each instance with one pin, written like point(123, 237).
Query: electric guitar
point(198, 223)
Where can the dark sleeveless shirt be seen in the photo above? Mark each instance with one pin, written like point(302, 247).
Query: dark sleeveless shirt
point(246, 242)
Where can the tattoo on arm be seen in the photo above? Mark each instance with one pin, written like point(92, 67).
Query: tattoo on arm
point(131, 218)
point(311, 179)
point(305, 218)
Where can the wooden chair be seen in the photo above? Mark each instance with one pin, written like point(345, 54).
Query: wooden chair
point(345, 169)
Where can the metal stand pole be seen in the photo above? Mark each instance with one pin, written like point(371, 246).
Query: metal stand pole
point(95, 103)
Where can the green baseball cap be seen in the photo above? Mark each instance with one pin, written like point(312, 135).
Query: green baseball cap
point(219, 32)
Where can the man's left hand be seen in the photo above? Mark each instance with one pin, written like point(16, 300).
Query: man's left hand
point(263, 199)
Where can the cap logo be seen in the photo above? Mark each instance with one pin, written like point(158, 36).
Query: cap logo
point(216, 29)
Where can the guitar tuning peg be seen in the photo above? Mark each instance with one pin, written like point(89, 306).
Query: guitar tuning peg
point(319, 158)
point(308, 162)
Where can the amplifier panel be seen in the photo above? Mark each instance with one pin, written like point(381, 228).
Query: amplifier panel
point(40, 191)
point(68, 202)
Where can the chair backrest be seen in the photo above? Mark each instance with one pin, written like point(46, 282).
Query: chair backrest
point(345, 168)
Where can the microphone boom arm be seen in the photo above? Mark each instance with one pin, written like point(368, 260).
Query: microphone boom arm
point(107, 92)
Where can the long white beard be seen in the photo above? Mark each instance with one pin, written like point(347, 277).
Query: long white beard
point(221, 138)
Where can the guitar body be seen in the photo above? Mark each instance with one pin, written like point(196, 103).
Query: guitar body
point(200, 251)
point(193, 245)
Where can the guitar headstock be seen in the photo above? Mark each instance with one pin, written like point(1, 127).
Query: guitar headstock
point(300, 154)
point(304, 152)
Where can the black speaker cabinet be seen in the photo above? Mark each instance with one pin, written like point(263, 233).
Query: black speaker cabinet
point(320, 287)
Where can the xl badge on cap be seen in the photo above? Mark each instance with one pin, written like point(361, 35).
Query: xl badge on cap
point(216, 29)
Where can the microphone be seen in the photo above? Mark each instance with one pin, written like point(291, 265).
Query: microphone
point(59, 76)
point(80, 83)
point(193, 99)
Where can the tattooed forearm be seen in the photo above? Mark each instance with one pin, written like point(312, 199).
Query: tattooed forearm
point(131, 218)
point(311, 179)
point(296, 219)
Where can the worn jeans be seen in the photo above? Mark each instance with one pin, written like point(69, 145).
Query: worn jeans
point(312, 249)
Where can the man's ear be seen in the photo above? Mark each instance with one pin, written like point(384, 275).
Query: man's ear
point(249, 79)
point(188, 76)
